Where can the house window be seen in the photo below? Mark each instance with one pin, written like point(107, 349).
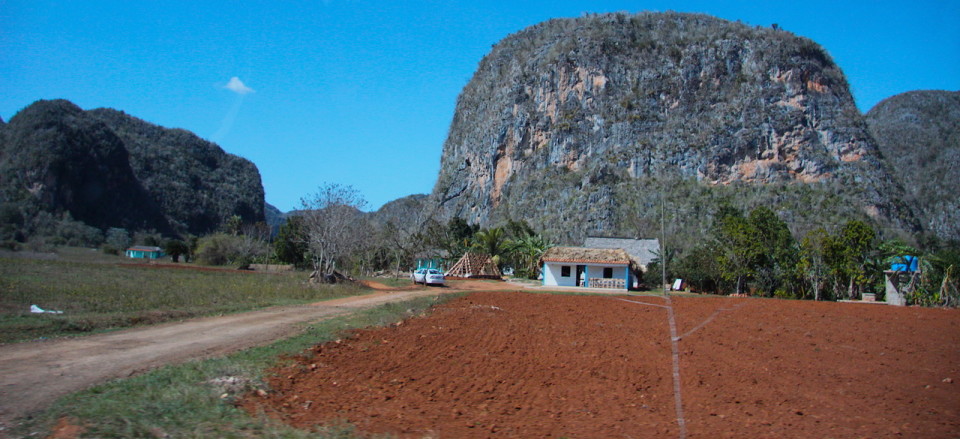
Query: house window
point(565, 271)
point(607, 272)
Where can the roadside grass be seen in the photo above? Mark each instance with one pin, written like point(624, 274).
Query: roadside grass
point(96, 294)
point(403, 281)
point(197, 399)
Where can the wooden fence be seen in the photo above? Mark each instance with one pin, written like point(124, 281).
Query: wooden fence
point(616, 284)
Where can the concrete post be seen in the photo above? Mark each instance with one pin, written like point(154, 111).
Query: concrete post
point(893, 294)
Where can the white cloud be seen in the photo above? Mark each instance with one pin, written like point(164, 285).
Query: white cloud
point(237, 86)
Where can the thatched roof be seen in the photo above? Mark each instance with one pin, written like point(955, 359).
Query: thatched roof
point(643, 251)
point(586, 255)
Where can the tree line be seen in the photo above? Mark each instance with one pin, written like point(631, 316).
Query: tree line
point(756, 254)
point(749, 253)
point(331, 233)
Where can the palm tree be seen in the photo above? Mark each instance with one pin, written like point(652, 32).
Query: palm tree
point(526, 252)
point(492, 242)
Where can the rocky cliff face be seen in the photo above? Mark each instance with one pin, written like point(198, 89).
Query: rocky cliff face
point(919, 135)
point(107, 169)
point(581, 125)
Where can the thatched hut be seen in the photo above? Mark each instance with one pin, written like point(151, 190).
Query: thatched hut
point(588, 268)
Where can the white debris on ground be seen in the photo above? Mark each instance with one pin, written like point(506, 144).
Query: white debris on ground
point(37, 310)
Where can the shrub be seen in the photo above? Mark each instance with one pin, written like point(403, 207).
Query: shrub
point(149, 238)
point(176, 248)
point(9, 244)
point(117, 239)
point(77, 234)
point(224, 249)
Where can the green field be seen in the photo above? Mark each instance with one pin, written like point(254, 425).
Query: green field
point(97, 292)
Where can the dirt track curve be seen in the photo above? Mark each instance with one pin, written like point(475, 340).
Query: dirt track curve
point(34, 374)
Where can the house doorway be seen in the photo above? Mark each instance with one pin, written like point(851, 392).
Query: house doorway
point(580, 270)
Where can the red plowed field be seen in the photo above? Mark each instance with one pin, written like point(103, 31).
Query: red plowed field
point(538, 365)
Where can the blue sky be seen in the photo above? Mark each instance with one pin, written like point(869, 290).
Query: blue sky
point(362, 92)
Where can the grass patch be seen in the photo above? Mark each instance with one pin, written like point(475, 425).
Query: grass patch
point(403, 281)
point(195, 399)
point(97, 294)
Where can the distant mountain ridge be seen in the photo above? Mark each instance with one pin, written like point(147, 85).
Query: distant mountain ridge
point(582, 126)
point(918, 133)
point(109, 169)
point(585, 126)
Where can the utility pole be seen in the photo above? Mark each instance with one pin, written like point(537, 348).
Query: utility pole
point(663, 247)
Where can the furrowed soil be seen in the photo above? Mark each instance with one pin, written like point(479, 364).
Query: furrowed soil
point(508, 364)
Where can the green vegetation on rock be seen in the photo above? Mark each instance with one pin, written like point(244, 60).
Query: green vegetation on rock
point(919, 135)
point(102, 168)
point(576, 125)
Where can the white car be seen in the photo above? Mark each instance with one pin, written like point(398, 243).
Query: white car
point(427, 276)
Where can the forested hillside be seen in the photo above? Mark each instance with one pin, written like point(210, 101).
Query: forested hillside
point(195, 182)
point(919, 135)
point(87, 171)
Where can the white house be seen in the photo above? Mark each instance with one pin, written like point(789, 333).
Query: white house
point(587, 268)
point(642, 251)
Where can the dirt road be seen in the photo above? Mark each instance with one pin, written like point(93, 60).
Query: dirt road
point(34, 374)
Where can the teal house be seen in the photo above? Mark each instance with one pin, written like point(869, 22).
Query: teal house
point(144, 252)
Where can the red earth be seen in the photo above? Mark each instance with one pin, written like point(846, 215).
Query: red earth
point(509, 364)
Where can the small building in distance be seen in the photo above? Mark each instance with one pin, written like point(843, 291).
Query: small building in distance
point(587, 268)
point(144, 252)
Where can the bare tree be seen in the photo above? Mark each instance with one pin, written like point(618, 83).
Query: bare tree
point(404, 234)
point(331, 225)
